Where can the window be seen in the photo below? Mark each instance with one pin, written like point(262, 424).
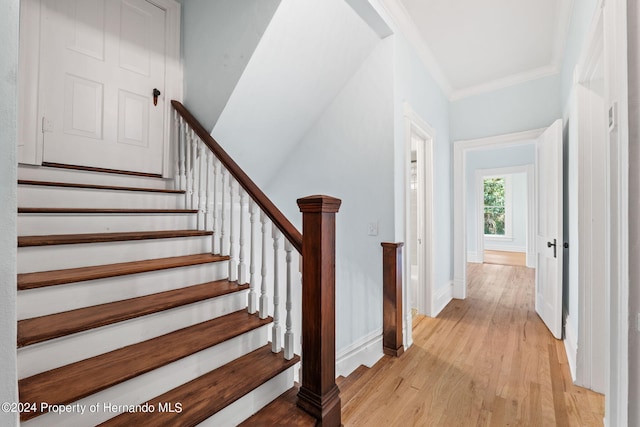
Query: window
point(497, 206)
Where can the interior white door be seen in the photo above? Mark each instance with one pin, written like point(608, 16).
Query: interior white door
point(549, 228)
point(100, 63)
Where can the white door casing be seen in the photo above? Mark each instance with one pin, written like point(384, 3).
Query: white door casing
point(549, 229)
point(127, 143)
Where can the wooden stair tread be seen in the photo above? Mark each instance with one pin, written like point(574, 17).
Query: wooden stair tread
point(68, 239)
point(102, 170)
point(282, 411)
point(213, 391)
point(72, 382)
point(96, 186)
point(72, 275)
point(38, 329)
point(105, 211)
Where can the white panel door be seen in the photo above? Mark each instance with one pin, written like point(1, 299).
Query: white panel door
point(100, 63)
point(549, 228)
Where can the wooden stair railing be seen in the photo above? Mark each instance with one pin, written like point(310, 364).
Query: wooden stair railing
point(211, 180)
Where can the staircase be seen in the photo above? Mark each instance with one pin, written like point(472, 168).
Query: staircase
point(142, 304)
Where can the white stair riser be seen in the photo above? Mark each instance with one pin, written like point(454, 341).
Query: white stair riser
point(147, 386)
point(55, 299)
point(44, 224)
point(252, 402)
point(59, 197)
point(36, 173)
point(58, 352)
point(56, 257)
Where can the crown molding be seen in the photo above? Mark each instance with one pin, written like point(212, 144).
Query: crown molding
point(402, 20)
point(511, 80)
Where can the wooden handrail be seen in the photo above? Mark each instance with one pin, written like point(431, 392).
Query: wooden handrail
point(267, 206)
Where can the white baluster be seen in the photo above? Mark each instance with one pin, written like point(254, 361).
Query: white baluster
point(288, 335)
point(176, 142)
point(215, 240)
point(194, 171)
point(253, 296)
point(264, 299)
point(187, 165)
point(242, 267)
point(233, 262)
point(181, 155)
point(208, 196)
point(276, 330)
point(202, 182)
point(223, 190)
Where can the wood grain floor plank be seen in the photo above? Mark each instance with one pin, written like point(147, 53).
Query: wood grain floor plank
point(208, 394)
point(72, 275)
point(73, 382)
point(71, 239)
point(487, 360)
point(38, 329)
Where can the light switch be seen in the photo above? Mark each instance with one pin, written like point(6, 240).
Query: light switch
point(372, 229)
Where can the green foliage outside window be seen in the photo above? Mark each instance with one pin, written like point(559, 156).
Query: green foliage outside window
point(494, 209)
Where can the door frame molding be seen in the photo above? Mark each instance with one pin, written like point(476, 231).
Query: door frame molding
point(528, 170)
point(30, 141)
point(460, 150)
point(413, 123)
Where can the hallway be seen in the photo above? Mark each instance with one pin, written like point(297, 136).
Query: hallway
point(486, 361)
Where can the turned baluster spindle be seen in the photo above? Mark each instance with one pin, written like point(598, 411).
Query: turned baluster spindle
point(187, 165)
point(288, 335)
point(223, 190)
point(207, 198)
point(253, 296)
point(194, 172)
point(242, 267)
point(177, 185)
point(233, 263)
point(264, 298)
point(202, 183)
point(276, 331)
point(215, 238)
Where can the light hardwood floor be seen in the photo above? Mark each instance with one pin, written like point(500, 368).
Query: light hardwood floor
point(485, 361)
point(505, 258)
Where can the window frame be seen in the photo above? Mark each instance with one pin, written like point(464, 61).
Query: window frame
point(508, 207)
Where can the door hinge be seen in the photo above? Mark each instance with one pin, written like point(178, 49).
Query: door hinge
point(47, 125)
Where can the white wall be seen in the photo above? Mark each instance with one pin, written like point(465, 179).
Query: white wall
point(8, 165)
point(634, 210)
point(306, 56)
point(414, 85)
point(521, 155)
point(218, 39)
point(531, 105)
point(348, 153)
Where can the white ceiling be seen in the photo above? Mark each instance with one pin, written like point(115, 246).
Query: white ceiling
point(475, 46)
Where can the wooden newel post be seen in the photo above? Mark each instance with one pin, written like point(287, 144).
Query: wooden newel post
point(319, 394)
point(392, 303)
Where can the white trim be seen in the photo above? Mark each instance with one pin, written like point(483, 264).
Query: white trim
point(571, 346)
point(475, 257)
point(365, 351)
point(443, 297)
point(505, 248)
point(504, 82)
point(460, 148)
point(30, 151)
point(414, 125)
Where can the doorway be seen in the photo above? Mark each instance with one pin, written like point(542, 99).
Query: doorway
point(419, 222)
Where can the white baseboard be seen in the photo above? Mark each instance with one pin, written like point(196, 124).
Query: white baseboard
point(365, 351)
point(474, 257)
point(458, 288)
point(531, 260)
point(571, 346)
point(442, 298)
point(495, 246)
